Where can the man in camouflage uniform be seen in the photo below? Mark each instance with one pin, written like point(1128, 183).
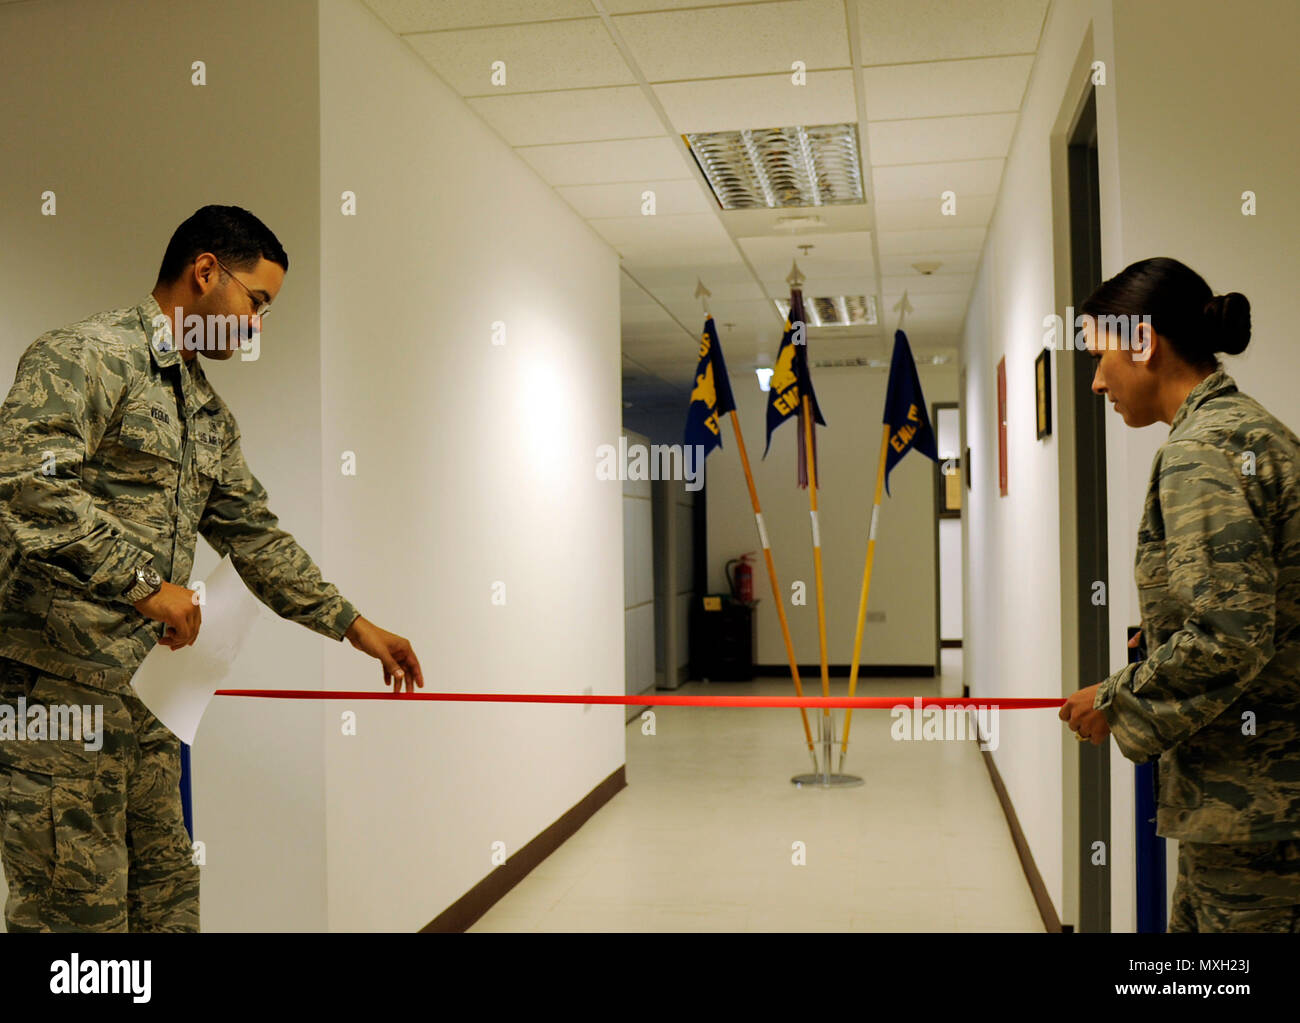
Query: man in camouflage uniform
point(1218, 697)
point(115, 453)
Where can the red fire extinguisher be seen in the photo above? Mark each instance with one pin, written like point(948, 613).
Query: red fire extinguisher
point(742, 580)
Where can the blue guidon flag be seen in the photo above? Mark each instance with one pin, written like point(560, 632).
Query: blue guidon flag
point(790, 382)
point(909, 423)
point(711, 395)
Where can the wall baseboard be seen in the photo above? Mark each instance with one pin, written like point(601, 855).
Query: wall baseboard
point(1051, 921)
point(842, 670)
point(462, 913)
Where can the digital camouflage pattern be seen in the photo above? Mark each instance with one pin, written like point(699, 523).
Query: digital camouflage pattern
point(1237, 886)
point(93, 840)
point(1218, 572)
point(115, 452)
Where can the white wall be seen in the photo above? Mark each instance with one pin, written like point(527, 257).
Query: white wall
point(476, 465)
point(1013, 636)
point(131, 149)
point(903, 574)
point(1198, 108)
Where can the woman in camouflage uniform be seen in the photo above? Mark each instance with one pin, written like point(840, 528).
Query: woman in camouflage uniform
point(1218, 575)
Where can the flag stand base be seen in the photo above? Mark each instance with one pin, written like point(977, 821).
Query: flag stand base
point(825, 779)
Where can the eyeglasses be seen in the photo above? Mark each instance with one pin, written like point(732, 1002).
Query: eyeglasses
point(260, 308)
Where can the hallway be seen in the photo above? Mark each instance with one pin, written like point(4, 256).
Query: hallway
point(701, 838)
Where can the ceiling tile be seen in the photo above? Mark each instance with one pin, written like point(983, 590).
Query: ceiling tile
point(898, 31)
point(580, 115)
point(658, 276)
point(683, 195)
point(544, 56)
point(730, 104)
point(946, 88)
point(928, 304)
point(930, 180)
point(424, 16)
point(670, 229)
point(835, 219)
point(638, 6)
point(593, 163)
point(918, 284)
point(741, 39)
point(929, 139)
point(919, 214)
point(720, 292)
point(900, 264)
point(833, 255)
point(951, 239)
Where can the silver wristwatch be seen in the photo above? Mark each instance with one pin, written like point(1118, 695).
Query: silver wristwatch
point(147, 583)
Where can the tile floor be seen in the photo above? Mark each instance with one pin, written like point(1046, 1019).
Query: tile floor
point(702, 838)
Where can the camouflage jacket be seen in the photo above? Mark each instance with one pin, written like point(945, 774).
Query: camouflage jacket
point(116, 452)
point(1218, 576)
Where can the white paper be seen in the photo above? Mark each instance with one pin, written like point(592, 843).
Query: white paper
point(177, 685)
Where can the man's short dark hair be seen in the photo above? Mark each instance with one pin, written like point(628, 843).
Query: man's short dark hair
point(230, 233)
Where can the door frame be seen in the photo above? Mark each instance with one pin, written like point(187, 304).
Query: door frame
point(1081, 449)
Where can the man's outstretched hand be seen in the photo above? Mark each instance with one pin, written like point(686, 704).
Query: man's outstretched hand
point(394, 652)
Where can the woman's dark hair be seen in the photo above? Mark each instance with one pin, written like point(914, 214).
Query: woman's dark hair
point(230, 233)
point(1197, 322)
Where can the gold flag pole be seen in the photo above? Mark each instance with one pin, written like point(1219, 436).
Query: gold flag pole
point(866, 588)
point(703, 293)
point(817, 554)
point(826, 724)
point(776, 589)
point(795, 279)
point(904, 307)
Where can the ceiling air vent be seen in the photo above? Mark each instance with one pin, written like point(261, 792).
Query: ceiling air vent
point(766, 168)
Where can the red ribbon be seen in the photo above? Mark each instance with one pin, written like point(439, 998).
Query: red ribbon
point(657, 700)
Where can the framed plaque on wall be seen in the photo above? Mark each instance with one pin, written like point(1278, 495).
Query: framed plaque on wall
point(1043, 393)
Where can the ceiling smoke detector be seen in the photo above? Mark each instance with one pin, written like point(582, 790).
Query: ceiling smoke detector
point(925, 269)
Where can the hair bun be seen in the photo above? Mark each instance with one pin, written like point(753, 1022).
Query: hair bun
point(1228, 319)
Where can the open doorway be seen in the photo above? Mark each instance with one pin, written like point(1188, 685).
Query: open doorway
point(946, 417)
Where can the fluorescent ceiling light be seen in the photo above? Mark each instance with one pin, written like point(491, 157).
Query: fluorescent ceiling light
point(766, 168)
point(836, 310)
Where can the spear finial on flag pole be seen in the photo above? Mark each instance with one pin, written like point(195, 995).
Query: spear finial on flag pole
point(703, 293)
point(903, 306)
point(794, 278)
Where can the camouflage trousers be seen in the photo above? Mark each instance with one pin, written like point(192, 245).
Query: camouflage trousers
point(1237, 886)
point(93, 838)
